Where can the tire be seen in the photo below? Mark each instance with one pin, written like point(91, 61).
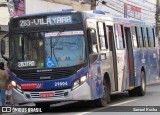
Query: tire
point(44, 106)
point(141, 90)
point(132, 93)
point(102, 102)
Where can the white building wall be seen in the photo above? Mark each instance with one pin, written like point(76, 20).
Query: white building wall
point(38, 6)
point(4, 16)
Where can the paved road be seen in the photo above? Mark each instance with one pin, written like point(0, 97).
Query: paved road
point(152, 98)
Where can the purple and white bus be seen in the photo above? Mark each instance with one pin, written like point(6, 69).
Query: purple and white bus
point(63, 56)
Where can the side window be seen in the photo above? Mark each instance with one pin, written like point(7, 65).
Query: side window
point(134, 38)
point(137, 39)
point(143, 45)
point(102, 35)
point(139, 36)
point(151, 37)
point(119, 36)
point(153, 30)
point(145, 37)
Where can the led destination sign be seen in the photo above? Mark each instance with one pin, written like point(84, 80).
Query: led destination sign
point(47, 21)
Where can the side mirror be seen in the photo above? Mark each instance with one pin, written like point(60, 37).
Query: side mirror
point(3, 47)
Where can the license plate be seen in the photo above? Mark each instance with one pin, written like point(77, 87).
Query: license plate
point(46, 94)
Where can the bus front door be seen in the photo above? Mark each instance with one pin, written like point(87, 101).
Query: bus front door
point(130, 56)
point(112, 49)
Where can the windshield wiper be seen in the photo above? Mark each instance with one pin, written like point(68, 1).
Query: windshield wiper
point(58, 37)
point(55, 43)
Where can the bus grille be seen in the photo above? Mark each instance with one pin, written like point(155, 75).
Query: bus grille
point(59, 93)
point(45, 75)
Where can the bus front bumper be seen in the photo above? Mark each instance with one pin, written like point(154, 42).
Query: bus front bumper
point(83, 92)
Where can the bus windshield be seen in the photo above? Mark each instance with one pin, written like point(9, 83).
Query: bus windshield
point(47, 49)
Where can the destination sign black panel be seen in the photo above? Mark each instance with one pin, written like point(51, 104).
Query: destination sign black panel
point(46, 21)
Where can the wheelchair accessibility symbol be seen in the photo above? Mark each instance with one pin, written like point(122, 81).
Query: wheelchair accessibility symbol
point(50, 62)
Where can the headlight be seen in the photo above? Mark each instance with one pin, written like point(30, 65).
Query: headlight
point(80, 81)
point(16, 86)
point(13, 83)
point(83, 79)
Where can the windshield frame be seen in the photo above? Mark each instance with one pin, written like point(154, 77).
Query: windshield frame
point(24, 33)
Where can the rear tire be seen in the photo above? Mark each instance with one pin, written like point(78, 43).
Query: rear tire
point(102, 102)
point(132, 93)
point(141, 90)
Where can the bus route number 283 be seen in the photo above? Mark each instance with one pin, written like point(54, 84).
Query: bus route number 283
point(56, 84)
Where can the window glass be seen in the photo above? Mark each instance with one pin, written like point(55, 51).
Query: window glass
point(134, 39)
point(47, 49)
point(102, 36)
point(151, 37)
point(139, 33)
point(120, 36)
point(145, 37)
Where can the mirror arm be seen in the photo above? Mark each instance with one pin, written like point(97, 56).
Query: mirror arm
point(6, 59)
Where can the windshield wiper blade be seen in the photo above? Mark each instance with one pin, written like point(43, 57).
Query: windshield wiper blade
point(58, 37)
point(55, 43)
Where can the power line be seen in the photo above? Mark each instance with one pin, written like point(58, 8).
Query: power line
point(141, 8)
point(105, 3)
point(150, 2)
point(137, 4)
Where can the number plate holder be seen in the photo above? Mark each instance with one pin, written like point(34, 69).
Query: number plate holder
point(46, 94)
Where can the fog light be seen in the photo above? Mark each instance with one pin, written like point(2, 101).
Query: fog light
point(28, 96)
point(75, 84)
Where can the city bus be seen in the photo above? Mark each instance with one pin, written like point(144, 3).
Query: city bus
point(82, 56)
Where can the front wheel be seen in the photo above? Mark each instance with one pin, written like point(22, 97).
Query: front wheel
point(141, 90)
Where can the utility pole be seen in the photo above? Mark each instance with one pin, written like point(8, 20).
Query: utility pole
point(93, 4)
point(157, 27)
point(157, 18)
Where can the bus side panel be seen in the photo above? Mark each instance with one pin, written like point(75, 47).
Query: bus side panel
point(95, 77)
point(107, 67)
point(137, 64)
point(125, 81)
point(152, 72)
point(147, 59)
